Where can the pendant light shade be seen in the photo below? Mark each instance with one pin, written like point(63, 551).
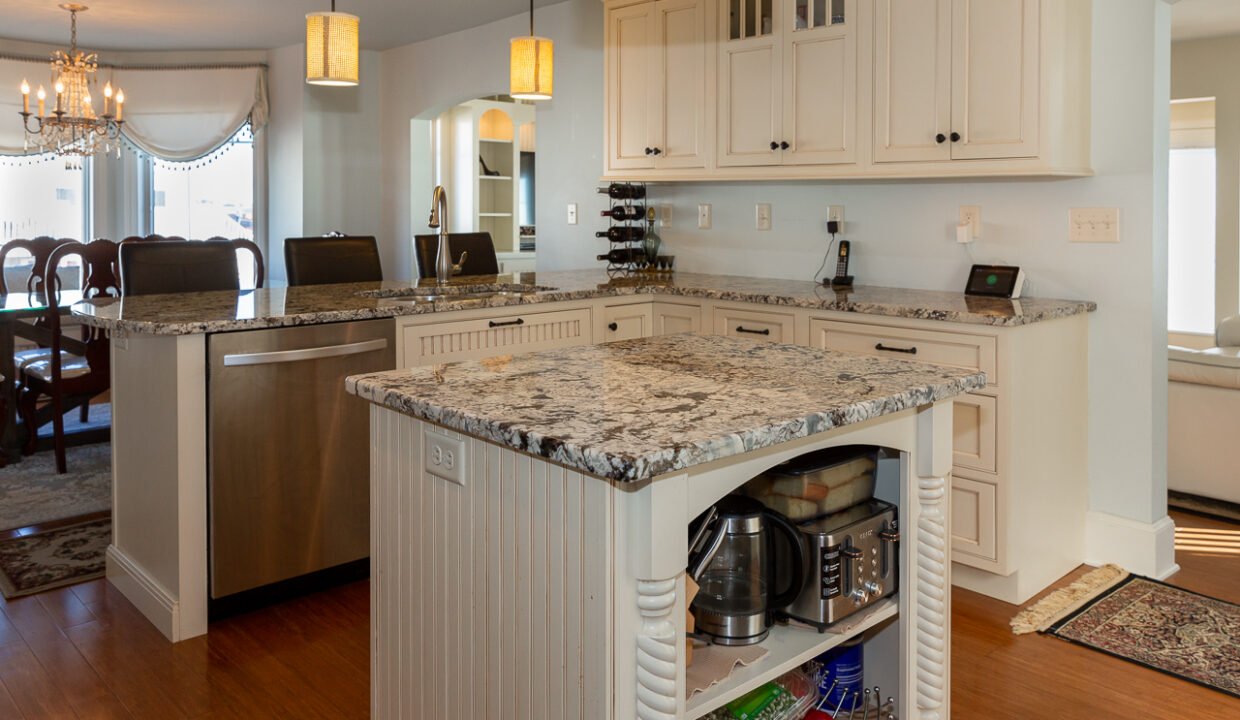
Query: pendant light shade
point(332, 48)
point(531, 66)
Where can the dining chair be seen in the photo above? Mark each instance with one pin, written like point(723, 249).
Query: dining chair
point(156, 268)
point(331, 259)
point(76, 370)
point(480, 261)
point(256, 255)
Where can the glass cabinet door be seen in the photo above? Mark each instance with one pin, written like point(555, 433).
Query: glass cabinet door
point(810, 14)
point(750, 18)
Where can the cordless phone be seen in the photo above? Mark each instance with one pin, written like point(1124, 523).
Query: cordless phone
point(842, 278)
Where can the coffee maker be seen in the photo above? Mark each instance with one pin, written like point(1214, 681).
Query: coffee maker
point(732, 558)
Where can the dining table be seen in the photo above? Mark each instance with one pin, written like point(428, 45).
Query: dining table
point(16, 310)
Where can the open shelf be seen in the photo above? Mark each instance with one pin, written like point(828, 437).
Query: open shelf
point(494, 177)
point(788, 646)
point(493, 140)
point(497, 215)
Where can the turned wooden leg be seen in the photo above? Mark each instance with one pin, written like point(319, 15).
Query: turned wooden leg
point(58, 432)
point(657, 691)
point(84, 412)
point(27, 408)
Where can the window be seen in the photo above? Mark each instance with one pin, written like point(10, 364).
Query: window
point(210, 198)
point(1191, 218)
point(42, 197)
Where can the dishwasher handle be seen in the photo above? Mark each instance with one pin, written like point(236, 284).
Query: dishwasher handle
point(314, 353)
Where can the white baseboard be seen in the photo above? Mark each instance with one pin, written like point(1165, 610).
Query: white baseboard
point(1143, 548)
point(151, 599)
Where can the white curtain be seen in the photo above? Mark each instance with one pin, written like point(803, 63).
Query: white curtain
point(174, 114)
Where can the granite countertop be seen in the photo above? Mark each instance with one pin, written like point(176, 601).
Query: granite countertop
point(196, 313)
point(635, 409)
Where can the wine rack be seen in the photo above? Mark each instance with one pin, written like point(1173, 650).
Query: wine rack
point(626, 215)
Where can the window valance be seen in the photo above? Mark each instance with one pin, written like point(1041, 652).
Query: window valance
point(171, 112)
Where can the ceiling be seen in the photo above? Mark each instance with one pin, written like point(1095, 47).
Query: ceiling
point(1204, 18)
point(242, 24)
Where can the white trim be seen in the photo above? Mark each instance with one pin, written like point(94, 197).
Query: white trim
point(151, 599)
point(1142, 548)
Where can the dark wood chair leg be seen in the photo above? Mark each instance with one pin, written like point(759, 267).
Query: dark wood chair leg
point(27, 410)
point(4, 413)
point(58, 432)
point(84, 412)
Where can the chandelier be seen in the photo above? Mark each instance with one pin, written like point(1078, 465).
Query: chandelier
point(72, 128)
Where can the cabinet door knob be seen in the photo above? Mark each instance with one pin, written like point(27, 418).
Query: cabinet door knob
point(774, 145)
point(784, 145)
point(940, 138)
point(650, 151)
point(613, 326)
point(658, 151)
point(955, 137)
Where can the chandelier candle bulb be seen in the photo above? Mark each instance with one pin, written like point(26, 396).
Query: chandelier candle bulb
point(107, 98)
point(25, 96)
point(60, 93)
point(120, 105)
point(42, 95)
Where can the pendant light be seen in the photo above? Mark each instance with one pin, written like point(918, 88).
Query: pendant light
point(532, 67)
point(331, 48)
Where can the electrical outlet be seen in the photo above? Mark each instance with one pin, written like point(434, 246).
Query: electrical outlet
point(762, 216)
point(971, 215)
point(445, 456)
point(665, 216)
point(1093, 225)
point(704, 216)
point(836, 213)
point(572, 213)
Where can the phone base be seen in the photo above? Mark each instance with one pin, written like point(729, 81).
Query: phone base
point(842, 281)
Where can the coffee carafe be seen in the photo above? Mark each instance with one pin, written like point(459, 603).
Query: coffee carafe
point(732, 558)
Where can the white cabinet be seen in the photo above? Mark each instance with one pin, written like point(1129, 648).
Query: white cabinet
point(656, 85)
point(751, 324)
point(672, 318)
point(419, 341)
point(912, 80)
point(626, 322)
point(787, 82)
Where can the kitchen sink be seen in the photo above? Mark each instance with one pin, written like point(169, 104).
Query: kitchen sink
point(461, 291)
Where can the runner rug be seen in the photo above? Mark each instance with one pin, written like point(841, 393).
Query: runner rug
point(1147, 622)
point(54, 558)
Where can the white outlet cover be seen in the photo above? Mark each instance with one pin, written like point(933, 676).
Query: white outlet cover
point(445, 456)
point(705, 219)
point(836, 213)
point(972, 215)
point(762, 216)
point(572, 213)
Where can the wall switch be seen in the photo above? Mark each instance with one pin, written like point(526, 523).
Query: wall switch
point(971, 215)
point(762, 216)
point(1093, 225)
point(836, 213)
point(445, 456)
point(704, 216)
point(572, 213)
point(665, 216)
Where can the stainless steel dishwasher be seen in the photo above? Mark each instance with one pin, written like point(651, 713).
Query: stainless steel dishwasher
point(289, 472)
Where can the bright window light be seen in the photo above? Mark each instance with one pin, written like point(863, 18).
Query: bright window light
point(1190, 264)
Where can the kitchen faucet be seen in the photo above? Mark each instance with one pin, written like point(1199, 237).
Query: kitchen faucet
point(444, 268)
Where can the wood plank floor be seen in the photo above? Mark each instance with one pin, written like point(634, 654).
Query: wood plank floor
point(85, 652)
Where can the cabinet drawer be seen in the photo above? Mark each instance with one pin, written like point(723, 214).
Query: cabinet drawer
point(975, 512)
point(754, 325)
point(975, 352)
point(625, 322)
point(670, 318)
point(486, 337)
point(975, 433)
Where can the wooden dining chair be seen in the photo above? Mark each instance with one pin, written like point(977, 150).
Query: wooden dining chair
point(332, 259)
point(77, 370)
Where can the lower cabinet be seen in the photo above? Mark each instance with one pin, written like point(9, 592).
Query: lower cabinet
point(757, 325)
point(975, 508)
point(429, 343)
point(672, 318)
point(626, 322)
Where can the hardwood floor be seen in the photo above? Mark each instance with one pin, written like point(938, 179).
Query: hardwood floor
point(85, 652)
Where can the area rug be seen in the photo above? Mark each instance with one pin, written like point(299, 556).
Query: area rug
point(1150, 623)
point(55, 558)
point(32, 493)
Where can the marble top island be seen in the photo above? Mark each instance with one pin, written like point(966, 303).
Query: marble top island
point(635, 409)
point(529, 517)
point(226, 311)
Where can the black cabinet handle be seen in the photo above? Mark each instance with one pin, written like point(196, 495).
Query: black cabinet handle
point(784, 145)
point(940, 138)
point(613, 326)
point(906, 351)
point(774, 145)
point(955, 137)
point(742, 328)
point(518, 321)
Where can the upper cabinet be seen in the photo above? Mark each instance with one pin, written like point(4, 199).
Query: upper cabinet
point(656, 80)
point(794, 89)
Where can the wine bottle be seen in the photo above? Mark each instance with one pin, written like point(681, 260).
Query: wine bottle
point(622, 234)
point(621, 213)
point(622, 191)
point(623, 256)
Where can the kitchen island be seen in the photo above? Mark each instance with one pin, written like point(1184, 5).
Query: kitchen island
point(530, 513)
point(1030, 349)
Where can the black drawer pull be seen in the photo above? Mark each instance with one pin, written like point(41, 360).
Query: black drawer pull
point(742, 328)
point(907, 351)
point(518, 321)
point(613, 326)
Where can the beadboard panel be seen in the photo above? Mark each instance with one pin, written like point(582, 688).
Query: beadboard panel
point(494, 595)
point(476, 339)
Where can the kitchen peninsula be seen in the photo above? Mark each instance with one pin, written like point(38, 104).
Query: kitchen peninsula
point(529, 519)
point(1011, 447)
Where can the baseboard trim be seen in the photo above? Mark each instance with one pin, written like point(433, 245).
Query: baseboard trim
point(1142, 548)
point(151, 599)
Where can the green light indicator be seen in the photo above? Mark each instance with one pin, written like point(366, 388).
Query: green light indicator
point(992, 279)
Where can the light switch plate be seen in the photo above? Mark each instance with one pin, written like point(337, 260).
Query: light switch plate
point(665, 216)
point(704, 216)
point(1093, 225)
point(762, 216)
point(572, 213)
point(445, 456)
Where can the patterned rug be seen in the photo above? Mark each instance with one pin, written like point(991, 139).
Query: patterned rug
point(55, 558)
point(1165, 628)
point(32, 493)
